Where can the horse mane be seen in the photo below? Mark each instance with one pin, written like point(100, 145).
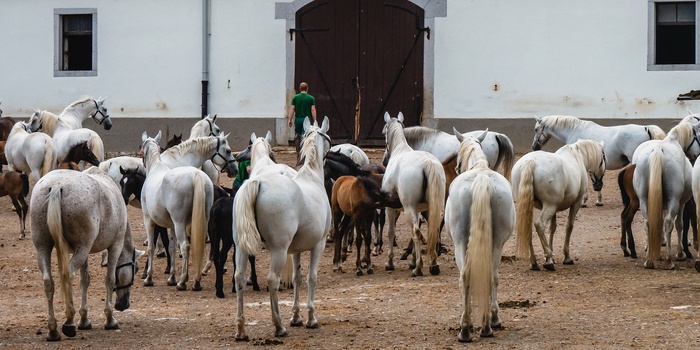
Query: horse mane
point(343, 159)
point(257, 152)
point(48, 121)
point(590, 152)
point(309, 146)
point(197, 144)
point(151, 155)
point(682, 133)
point(563, 121)
point(372, 187)
point(419, 134)
point(82, 100)
point(469, 148)
point(396, 140)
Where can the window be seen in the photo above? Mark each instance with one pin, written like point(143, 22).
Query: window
point(75, 52)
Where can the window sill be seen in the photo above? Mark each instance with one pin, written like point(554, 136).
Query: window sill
point(74, 73)
point(672, 67)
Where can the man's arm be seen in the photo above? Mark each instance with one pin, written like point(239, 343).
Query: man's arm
point(313, 112)
point(291, 115)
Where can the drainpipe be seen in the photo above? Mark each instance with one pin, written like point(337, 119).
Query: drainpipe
point(206, 11)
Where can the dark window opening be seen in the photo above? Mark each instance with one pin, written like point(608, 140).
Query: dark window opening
point(77, 42)
point(675, 33)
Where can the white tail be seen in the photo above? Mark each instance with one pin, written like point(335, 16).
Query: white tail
point(97, 147)
point(199, 222)
point(655, 205)
point(477, 272)
point(244, 211)
point(55, 225)
point(49, 162)
point(436, 204)
point(525, 203)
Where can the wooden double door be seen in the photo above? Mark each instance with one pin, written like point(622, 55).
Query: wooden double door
point(361, 58)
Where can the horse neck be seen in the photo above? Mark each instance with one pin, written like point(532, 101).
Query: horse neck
point(573, 154)
point(76, 114)
point(398, 143)
point(260, 156)
point(313, 159)
point(681, 135)
point(201, 129)
point(475, 158)
point(192, 152)
point(153, 163)
point(571, 134)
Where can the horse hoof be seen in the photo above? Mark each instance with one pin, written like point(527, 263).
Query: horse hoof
point(69, 330)
point(239, 337)
point(196, 287)
point(599, 204)
point(417, 273)
point(549, 266)
point(160, 254)
point(464, 336)
point(256, 288)
point(171, 281)
point(144, 275)
point(411, 266)
point(282, 332)
point(167, 271)
point(312, 325)
point(370, 271)
point(181, 286)
point(435, 270)
point(359, 273)
point(111, 327)
point(53, 336)
point(85, 327)
point(584, 205)
point(649, 265)
point(568, 262)
point(633, 255)
point(496, 325)
point(298, 322)
point(534, 267)
point(697, 265)
point(220, 294)
point(148, 282)
point(486, 332)
point(389, 267)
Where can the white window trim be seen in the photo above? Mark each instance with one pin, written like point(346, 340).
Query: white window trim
point(651, 40)
point(58, 42)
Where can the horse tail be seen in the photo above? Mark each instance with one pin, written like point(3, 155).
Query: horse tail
point(621, 183)
point(199, 220)
point(49, 162)
point(244, 211)
point(478, 267)
point(436, 203)
point(55, 225)
point(655, 204)
point(287, 273)
point(525, 203)
point(96, 146)
point(506, 154)
point(25, 184)
point(655, 132)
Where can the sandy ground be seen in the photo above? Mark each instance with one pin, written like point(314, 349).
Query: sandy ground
point(603, 301)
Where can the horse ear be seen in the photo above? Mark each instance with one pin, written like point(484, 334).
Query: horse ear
point(205, 116)
point(538, 119)
point(460, 137)
point(482, 137)
point(214, 118)
point(387, 117)
point(157, 138)
point(253, 137)
point(307, 125)
point(268, 136)
point(602, 143)
point(121, 170)
point(400, 117)
point(324, 125)
point(144, 137)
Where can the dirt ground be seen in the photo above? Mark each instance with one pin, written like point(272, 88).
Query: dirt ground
point(603, 301)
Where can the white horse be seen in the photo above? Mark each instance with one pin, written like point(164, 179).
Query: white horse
point(82, 213)
point(620, 141)
point(480, 216)
point(30, 152)
point(66, 129)
point(663, 182)
point(202, 128)
point(179, 199)
point(292, 216)
point(553, 182)
point(260, 160)
point(355, 153)
point(196, 151)
point(418, 179)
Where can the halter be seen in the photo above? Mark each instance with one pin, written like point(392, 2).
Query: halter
point(218, 145)
point(97, 110)
point(546, 137)
point(133, 273)
point(211, 128)
point(695, 139)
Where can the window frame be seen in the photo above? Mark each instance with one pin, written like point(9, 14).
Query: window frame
point(58, 14)
point(651, 40)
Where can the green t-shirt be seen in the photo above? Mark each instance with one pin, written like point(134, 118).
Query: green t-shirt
point(242, 172)
point(302, 103)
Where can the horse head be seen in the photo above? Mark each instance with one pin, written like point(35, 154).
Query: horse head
point(388, 131)
point(320, 138)
point(205, 127)
point(541, 137)
point(103, 117)
point(470, 152)
point(34, 124)
point(131, 184)
point(82, 151)
point(224, 156)
point(127, 266)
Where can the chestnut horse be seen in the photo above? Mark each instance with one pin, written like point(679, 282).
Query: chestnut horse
point(16, 186)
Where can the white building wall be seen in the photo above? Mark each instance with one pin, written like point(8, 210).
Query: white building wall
point(585, 58)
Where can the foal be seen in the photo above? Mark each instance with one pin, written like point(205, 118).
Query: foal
point(78, 152)
point(16, 186)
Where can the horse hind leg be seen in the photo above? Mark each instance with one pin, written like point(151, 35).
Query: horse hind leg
point(84, 284)
point(417, 254)
point(44, 259)
point(278, 259)
point(21, 212)
point(547, 214)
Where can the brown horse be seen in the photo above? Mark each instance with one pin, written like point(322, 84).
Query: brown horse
point(3, 159)
point(353, 203)
point(78, 152)
point(16, 185)
point(6, 124)
point(630, 202)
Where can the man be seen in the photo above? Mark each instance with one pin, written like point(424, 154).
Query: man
point(303, 106)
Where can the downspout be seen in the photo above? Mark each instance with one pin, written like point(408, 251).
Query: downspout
point(206, 15)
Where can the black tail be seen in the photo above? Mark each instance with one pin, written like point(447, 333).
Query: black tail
point(25, 184)
point(623, 193)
